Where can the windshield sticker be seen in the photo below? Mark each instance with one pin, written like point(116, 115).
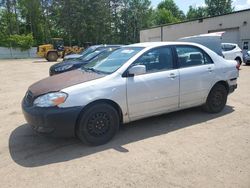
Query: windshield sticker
point(127, 51)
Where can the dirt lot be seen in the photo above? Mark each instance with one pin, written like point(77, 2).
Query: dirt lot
point(183, 149)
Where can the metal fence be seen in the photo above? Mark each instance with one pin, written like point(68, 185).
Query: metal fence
point(10, 53)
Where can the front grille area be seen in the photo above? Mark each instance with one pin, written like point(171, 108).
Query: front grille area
point(29, 98)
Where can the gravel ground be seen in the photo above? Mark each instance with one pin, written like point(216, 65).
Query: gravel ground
point(182, 149)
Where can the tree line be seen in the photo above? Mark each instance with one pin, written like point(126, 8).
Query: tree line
point(99, 21)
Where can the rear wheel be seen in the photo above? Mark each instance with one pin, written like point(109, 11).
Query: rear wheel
point(98, 124)
point(52, 56)
point(216, 99)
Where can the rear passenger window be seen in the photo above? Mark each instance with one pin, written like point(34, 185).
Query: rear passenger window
point(191, 56)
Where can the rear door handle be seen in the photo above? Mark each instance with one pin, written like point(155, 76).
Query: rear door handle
point(172, 75)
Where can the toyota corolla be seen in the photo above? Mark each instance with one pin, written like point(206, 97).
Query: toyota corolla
point(134, 82)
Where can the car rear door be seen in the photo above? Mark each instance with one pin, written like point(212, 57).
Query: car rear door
point(156, 91)
point(196, 71)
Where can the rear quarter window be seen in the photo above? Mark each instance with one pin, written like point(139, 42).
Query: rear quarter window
point(228, 47)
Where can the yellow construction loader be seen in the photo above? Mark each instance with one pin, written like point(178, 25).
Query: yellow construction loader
point(56, 50)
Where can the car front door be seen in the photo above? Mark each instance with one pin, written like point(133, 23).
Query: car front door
point(156, 91)
point(196, 71)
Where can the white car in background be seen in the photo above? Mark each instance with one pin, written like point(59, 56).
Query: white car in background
point(232, 51)
point(246, 57)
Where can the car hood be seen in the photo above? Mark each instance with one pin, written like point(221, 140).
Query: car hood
point(61, 81)
point(72, 56)
point(68, 62)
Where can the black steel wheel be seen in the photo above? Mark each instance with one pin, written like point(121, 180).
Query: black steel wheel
point(216, 99)
point(98, 124)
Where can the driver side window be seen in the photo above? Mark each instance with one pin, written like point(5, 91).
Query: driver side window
point(156, 60)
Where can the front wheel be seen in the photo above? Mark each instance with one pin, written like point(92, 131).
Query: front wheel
point(216, 99)
point(98, 124)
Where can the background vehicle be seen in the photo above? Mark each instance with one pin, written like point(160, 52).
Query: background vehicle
point(56, 50)
point(90, 50)
point(71, 64)
point(246, 54)
point(232, 51)
point(246, 57)
point(134, 82)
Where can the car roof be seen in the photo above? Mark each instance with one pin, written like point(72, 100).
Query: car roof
point(106, 45)
point(109, 46)
point(96, 47)
point(216, 48)
point(155, 44)
point(209, 40)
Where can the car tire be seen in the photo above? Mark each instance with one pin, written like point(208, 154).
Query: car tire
point(238, 61)
point(52, 56)
point(216, 99)
point(98, 124)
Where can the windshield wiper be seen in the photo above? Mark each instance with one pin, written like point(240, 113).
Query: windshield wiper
point(93, 70)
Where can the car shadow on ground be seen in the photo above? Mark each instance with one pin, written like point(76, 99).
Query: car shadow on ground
point(45, 61)
point(31, 150)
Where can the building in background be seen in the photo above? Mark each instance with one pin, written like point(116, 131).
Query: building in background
point(236, 26)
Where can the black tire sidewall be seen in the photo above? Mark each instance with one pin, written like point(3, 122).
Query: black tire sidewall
point(209, 106)
point(82, 131)
point(238, 61)
point(49, 58)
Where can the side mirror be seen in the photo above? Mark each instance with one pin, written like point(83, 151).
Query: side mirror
point(137, 70)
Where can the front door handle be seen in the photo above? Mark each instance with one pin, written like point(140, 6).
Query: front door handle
point(210, 69)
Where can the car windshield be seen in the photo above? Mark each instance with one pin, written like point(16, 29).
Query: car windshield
point(104, 54)
point(88, 50)
point(113, 61)
point(90, 56)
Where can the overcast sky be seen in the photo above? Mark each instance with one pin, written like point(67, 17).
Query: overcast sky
point(238, 4)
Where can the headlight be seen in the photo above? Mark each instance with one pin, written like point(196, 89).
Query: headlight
point(63, 68)
point(248, 53)
point(50, 99)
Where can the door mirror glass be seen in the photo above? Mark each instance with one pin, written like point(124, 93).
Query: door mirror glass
point(137, 70)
